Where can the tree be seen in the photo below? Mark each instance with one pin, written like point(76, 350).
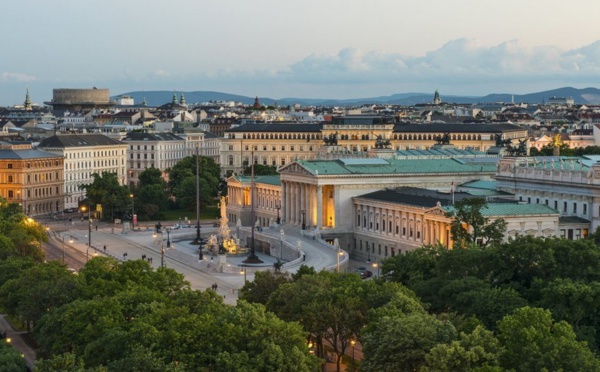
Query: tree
point(261, 170)
point(469, 226)
point(264, 284)
point(105, 190)
point(182, 180)
point(38, 290)
point(402, 342)
point(534, 342)
point(10, 359)
point(471, 351)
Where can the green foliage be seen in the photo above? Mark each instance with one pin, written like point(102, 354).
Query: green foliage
point(261, 170)
point(401, 343)
point(471, 351)
point(470, 227)
point(534, 342)
point(182, 181)
point(303, 270)
point(10, 359)
point(37, 290)
point(106, 191)
point(264, 284)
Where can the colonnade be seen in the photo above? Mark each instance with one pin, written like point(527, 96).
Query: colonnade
point(301, 202)
point(413, 227)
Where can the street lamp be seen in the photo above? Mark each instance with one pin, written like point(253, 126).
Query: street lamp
point(63, 245)
point(132, 213)
point(281, 238)
point(83, 209)
point(168, 237)
point(278, 207)
point(376, 265)
point(303, 223)
point(162, 247)
point(352, 342)
point(339, 253)
point(243, 271)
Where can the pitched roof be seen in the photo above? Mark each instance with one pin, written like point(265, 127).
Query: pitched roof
point(456, 128)
point(77, 140)
point(288, 127)
point(27, 154)
point(163, 136)
point(399, 166)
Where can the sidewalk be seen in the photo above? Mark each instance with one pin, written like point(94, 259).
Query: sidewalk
point(17, 341)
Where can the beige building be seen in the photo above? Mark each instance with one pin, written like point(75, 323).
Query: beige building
point(152, 150)
point(351, 136)
point(393, 221)
point(32, 178)
point(84, 155)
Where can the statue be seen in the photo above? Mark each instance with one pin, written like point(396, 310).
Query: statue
point(443, 139)
point(223, 206)
point(381, 143)
point(331, 140)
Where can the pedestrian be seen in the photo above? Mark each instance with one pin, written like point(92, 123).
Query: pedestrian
point(96, 227)
point(143, 257)
point(216, 286)
point(150, 259)
point(104, 248)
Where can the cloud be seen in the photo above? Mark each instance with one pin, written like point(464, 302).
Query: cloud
point(16, 76)
point(455, 61)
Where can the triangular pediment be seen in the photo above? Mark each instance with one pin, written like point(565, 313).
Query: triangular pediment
point(436, 211)
point(294, 168)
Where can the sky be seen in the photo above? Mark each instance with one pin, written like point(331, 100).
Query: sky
point(304, 49)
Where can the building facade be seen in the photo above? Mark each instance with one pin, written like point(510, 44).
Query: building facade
point(32, 178)
point(351, 136)
point(85, 155)
point(152, 150)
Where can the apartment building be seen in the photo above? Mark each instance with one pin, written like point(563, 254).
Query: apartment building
point(84, 155)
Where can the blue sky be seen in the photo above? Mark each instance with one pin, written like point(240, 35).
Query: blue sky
point(288, 48)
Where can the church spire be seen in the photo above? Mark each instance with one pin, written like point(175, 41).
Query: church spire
point(436, 98)
point(182, 100)
point(175, 102)
point(27, 103)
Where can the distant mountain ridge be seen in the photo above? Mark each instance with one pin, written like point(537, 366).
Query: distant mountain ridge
point(160, 97)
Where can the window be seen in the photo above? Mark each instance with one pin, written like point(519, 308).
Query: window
point(11, 194)
point(292, 148)
point(273, 148)
point(584, 208)
point(10, 179)
point(10, 166)
point(556, 204)
point(282, 148)
point(264, 147)
point(358, 220)
point(230, 147)
point(574, 207)
point(564, 206)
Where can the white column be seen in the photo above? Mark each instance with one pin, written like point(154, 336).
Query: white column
point(319, 207)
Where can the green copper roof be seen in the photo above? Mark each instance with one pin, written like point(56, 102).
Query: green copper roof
point(396, 166)
point(268, 180)
point(507, 209)
point(480, 184)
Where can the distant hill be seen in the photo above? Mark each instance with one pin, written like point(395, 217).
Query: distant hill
point(581, 96)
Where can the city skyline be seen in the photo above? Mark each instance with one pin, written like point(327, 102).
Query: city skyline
point(333, 49)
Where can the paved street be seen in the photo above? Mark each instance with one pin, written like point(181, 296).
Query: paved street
point(183, 257)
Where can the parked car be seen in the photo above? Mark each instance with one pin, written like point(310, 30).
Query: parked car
point(364, 273)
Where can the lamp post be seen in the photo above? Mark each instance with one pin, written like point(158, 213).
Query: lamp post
point(377, 265)
point(339, 253)
point(243, 271)
point(281, 238)
point(132, 213)
point(162, 247)
point(168, 237)
point(63, 245)
point(352, 342)
point(278, 207)
point(303, 223)
point(87, 251)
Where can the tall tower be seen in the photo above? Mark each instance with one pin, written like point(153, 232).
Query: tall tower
point(256, 103)
point(27, 103)
point(174, 101)
point(436, 98)
point(182, 100)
